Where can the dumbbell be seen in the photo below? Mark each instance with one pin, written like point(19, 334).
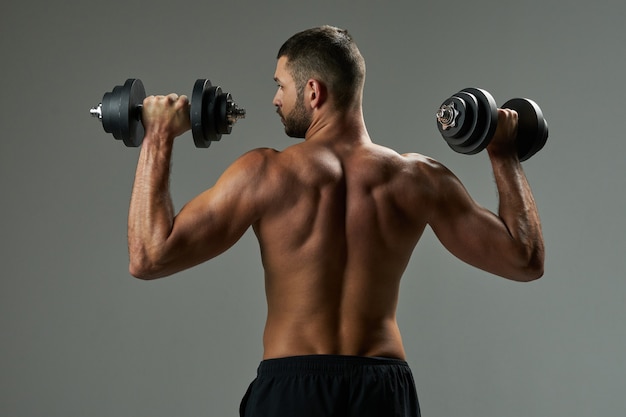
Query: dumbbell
point(467, 121)
point(212, 112)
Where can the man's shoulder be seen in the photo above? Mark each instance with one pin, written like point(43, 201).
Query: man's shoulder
point(415, 158)
point(259, 153)
point(409, 159)
point(420, 175)
point(263, 165)
point(418, 164)
point(255, 159)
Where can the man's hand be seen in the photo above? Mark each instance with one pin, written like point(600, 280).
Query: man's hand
point(165, 117)
point(504, 139)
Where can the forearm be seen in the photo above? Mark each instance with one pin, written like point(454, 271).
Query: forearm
point(518, 211)
point(151, 212)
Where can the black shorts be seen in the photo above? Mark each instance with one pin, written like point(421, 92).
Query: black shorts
point(329, 386)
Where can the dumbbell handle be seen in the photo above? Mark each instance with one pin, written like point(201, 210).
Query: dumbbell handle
point(233, 112)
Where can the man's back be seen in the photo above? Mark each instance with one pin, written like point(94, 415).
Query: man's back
point(335, 237)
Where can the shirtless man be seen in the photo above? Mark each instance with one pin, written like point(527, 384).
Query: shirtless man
point(337, 218)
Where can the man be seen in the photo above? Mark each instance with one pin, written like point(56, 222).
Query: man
point(337, 218)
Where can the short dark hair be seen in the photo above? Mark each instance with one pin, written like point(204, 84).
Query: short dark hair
point(328, 54)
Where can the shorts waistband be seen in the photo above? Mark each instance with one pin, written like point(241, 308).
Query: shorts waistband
point(324, 364)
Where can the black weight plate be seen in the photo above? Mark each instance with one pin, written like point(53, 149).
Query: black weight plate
point(202, 111)
point(487, 119)
point(111, 112)
point(198, 96)
point(472, 142)
point(121, 113)
point(132, 96)
point(532, 128)
point(462, 120)
point(471, 123)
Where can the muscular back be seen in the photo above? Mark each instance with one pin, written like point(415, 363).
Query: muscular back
point(335, 238)
point(337, 218)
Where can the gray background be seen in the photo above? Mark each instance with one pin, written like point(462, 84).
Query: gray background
point(80, 337)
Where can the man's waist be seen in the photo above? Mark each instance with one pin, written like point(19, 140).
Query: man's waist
point(325, 364)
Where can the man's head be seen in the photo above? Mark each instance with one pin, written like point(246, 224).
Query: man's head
point(328, 56)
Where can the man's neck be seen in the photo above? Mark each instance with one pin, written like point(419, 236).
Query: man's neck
point(347, 127)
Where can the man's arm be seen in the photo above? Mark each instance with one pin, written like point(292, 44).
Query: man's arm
point(161, 243)
point(509, 244)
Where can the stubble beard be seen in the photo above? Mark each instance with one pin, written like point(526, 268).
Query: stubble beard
point(297, 122)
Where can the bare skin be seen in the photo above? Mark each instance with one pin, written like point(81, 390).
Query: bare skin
point(337, 218)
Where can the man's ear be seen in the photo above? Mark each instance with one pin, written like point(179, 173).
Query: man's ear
point(317, 93)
